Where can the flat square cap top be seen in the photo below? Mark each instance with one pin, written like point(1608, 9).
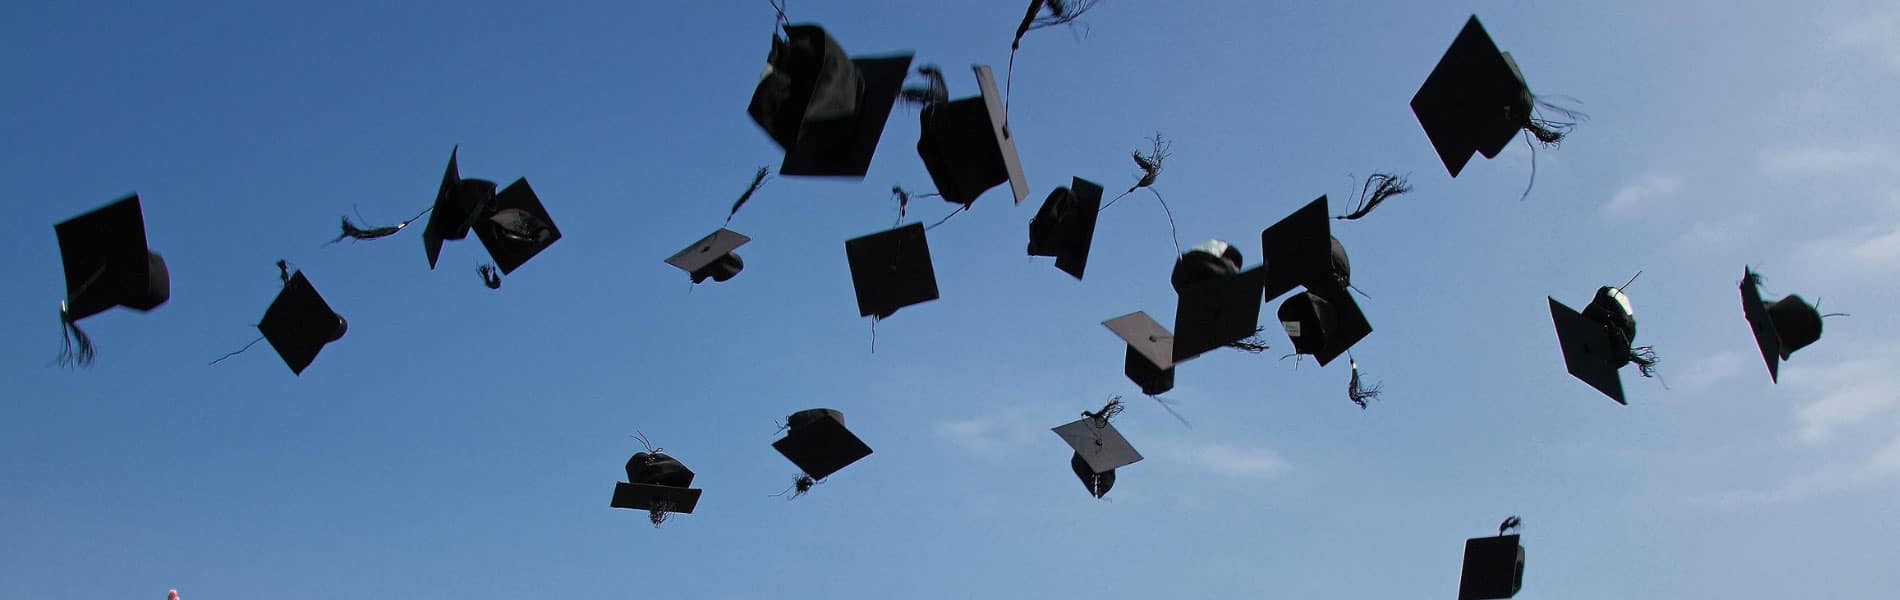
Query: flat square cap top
point(1101, 446)
point(457, 205)
point(104, 256)
point(821, 447)
point(826, 110)
point(299, 323)
point(1588, 350)
point(967, 147)
point(1475, 100)
point(1761, 324)
point(643, 496)
point(1145, 336)
point(518, 229)
point(1065, 226)
point(707, 250)
point(1298, 250)
point(1217, 312)
point(891, 270)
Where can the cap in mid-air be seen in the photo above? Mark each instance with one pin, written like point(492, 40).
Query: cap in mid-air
point(826, 110)
point(107, 264)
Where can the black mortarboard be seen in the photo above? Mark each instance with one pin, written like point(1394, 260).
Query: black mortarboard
point(712, 256)
point(1324, 325)
point(826, 110)
point(1780, 327)
point(1493, 568)
point(819, 444)
point(1212, 259)
point(107, 263)
point(967, 147)
point(658, 483)
point(1098, 484)
point(299, 323)
point(1099, 450)
point(1591, 353)
point(1065, 226)
point(1299, 251)
point(518, 228)
point(458, 203)
point(1150, 358)
point(1475, 100)
point(1215, 313)
point(891, 270)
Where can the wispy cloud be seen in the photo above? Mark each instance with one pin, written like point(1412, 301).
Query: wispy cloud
point(990, 436)
point(1818, 160)
point(1646, 189)
point(1229, 460)
point(1845, 394)
point(1876, 34)
point(1706, 371)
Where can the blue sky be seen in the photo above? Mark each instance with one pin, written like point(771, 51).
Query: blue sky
point(463, 444)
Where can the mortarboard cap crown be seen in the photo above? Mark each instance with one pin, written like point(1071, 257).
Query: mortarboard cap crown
point(825, 109)
point(1064, 227)
point(967, 147)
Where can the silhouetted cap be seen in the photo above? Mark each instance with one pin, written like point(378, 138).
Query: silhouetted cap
point(1591, 353)
point(299, 323)
point(1493, 568)
point(1475, 100)
point(967, 147)
point(819, 444)
point(826, 110)
point(1065, 226)
point(518, 228)
point(1150, 358)
point(1212, 259)
point(1324, 325)
point(1098, 484)
point(107, 263)
point(712, 256)
point(458, 203)
point(656, 482)
point(891, 270)
point(1215, 313)
point(1299, 251)
point(1781, 327)
point(1099, 450)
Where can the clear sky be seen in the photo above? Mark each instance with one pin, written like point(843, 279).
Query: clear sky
point(461, 443)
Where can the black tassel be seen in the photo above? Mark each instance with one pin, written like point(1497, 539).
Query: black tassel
point(932, 93)
point(351, 231)
point(1645, 359)
point(1358, 392)
point(1254, 344)
point(1551, 132)
point(283, 272)
point(238, 351)
point(800, 485)
point(758, 180)
point(657, 516)
point(1061, 12)
point(1377, 188)
point(1101, 417)
point(1168, 405)
point(78, 349)
point(491, 276)
point(1150, 165)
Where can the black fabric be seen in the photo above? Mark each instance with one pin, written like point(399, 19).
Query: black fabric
point(107, 263)
point(658, 469)
point(960, 150)
point(1097, 484)
point(1474, 100)
point(891, 270)
point(518, 229)
point(1197, 266)
point(1152, 379)
point(1064, 227)
point(1493, 568)
point(299, 323)
point(1797, 324)
point(819, 443)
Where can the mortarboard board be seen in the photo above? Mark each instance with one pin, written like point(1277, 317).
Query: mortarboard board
point(967, 147)
point(826, 110)
point(1065, 225)
point(1323, 325)
point(1493, 568)
point(1099, 444)
point(1780, 327)
point(1150, 358)
point(458, 203)
point(518, 228)
point(1298, 251)
point(1475, 99)
point(299, 323)
point(659, 498)
point(1590, 353)
point(107, 263)
point(1215, 313)
point(712, 256)
point(819, 444)
point(891, 270)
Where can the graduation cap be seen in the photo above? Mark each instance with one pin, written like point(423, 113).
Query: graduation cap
point(891, 270)
point(1150, 358)
point(657, 483)
point(1476, 100)
point(107, 264)
point(1217, 312)
point(458, 204)
point(1323, 325)
point(825, 109)
point(1099, 448)
point(1780, 327)
point(1065, 225)
point(1493, 568)
point(299, 323)
point(518, 228)
point(967, 147)
point(1212, 259)
point(1598, 341)
point(819, 444)
point(1300, 251)
point(712, 256)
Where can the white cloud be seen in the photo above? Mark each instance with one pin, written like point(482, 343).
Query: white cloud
point(991, 436)
point(1229, 460)
point(1879, 250)
point(1816, 160)
point(1706, 371)
point(1644, 190)
point(1845, 394)
point(1878, 35)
